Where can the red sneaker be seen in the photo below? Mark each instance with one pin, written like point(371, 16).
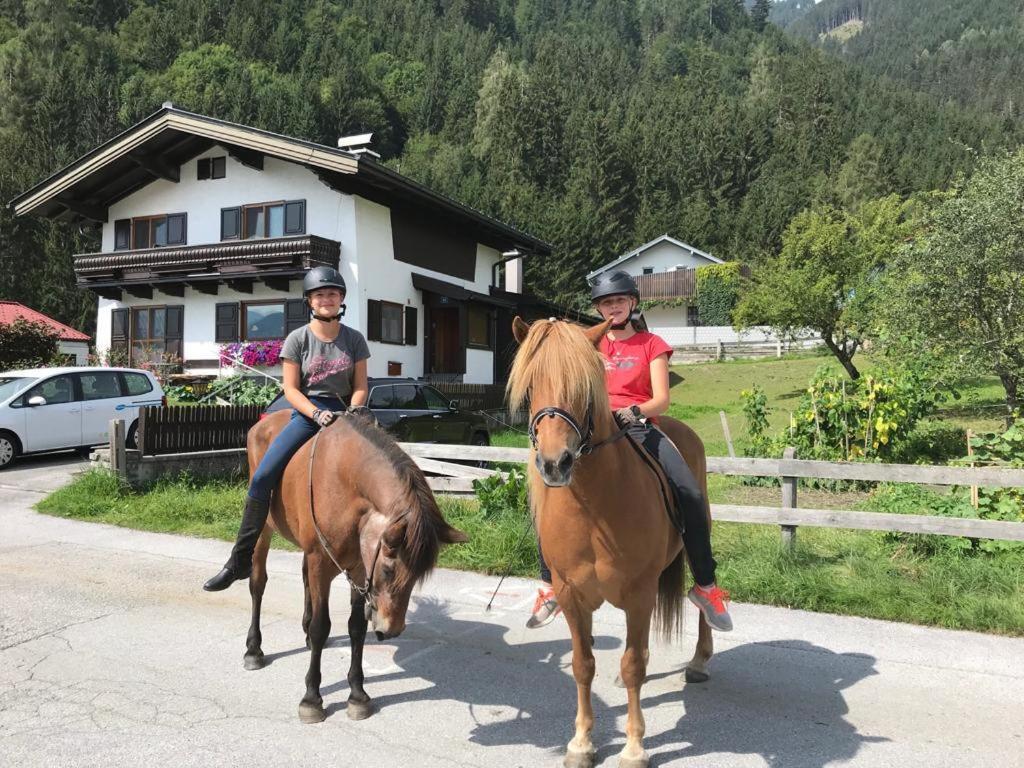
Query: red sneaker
point(712, 602)
point(545, 608)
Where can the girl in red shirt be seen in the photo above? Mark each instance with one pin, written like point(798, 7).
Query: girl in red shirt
point(636, 375)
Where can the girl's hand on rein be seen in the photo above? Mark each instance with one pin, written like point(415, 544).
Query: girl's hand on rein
point(323, 417)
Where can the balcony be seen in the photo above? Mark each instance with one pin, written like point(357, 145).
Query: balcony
point(237, 263)
point(680, 284)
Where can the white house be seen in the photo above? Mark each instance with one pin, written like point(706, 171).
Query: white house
point(665, 272)
point(208, 227)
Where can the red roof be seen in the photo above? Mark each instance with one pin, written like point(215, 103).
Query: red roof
point(12, 310)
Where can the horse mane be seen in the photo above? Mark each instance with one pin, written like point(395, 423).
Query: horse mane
point(425, 523)
point(567, 368)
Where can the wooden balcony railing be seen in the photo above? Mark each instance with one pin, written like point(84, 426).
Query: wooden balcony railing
point(680, 284)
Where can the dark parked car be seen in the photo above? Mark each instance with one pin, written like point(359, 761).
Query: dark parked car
point(415, 412)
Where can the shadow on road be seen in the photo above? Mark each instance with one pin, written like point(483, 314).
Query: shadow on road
point(782, 700)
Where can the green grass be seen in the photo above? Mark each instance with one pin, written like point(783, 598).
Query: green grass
point(845, 572)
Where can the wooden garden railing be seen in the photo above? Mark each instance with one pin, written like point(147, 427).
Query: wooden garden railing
point(788, 516)
point(192, 428)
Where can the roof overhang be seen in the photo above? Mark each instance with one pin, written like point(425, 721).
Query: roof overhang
point(457, 292)
point(156, 147)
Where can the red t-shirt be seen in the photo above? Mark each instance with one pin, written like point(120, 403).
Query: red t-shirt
point(627, 367)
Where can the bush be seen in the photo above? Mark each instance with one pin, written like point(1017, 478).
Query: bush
point(932, 442)
point(238, 390)
point(718, 289)
point(900, 499)
point(26, 344)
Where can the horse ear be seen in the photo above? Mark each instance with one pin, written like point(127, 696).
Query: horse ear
point(453, 535)
point(519, 329)
point(597, 332)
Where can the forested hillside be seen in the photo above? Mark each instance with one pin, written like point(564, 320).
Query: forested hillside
point(967, 50)
point(595, 124)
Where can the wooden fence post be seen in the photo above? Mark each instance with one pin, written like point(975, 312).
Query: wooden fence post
point(720, 351)
point(728, 436)
point(789, 501)
point(118, 457)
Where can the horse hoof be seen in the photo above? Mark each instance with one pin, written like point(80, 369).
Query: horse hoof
point(359, 710)
point(634, 762)
point(254, 661)
point(311, 713)
point(696, 676)
point(580, 759)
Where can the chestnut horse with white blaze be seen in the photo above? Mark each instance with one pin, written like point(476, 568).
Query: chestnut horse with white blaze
point(601, 517)
point(353, 501)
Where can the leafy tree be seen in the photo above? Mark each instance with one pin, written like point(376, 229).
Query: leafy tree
point(959, 289)
point(26, 344)
point(826, 276)
point(759, 13)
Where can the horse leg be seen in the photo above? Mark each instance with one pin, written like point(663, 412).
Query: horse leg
point(633, 671)
point(581, 753)
point(697, 669)
point(359, 706)
point(257, 584)
point(311, 708)
point(307, 607)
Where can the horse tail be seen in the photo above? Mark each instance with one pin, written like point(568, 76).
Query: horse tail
point(668, 609)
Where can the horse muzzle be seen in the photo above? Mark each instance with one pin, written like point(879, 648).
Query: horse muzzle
point(556, 472)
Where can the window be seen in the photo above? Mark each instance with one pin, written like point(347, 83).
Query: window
point(137, 383)
point(435, 400)
point(391, 331)
point(59, 389)
point(391, 323)
point(277, 219)
point(648, 270)
point(154, 231)
point(265, 320)
point(479, 327)
point(211, 168)
point(230, 223)
point(100, 385)
point(409, 397)
point(382, 397)
point(692, 315)
point(155, 334)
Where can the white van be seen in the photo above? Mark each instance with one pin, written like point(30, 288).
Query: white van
point(50, 409)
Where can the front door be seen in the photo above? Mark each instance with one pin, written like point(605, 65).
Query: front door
point(445, 352)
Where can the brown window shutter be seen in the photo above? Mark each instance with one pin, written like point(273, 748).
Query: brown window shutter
point(227, 323)
point(119, 329)
point(296, 314)
point(175, 330)
point(203, 169)
point(230, 223)
point(177, 229)
point(295, 217)
point(122, 234)
point(411, 338)
point(373, 320)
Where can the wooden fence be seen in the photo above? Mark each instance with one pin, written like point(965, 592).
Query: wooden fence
point(186, 429)
point(788, 516)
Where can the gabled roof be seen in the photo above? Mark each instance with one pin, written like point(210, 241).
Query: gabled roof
point(12, 310)
point(156, 147)
point(637, 251)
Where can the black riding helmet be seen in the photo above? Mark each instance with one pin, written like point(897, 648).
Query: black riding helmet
point(323, 277)
point(618, 282)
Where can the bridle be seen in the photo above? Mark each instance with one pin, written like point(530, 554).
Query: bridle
point(366, 591)
point(586, 445)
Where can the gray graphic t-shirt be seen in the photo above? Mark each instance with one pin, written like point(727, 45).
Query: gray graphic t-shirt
point(327, 368)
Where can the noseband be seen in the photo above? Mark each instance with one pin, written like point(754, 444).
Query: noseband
point(585, 446)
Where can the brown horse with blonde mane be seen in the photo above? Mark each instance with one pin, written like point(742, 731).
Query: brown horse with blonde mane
point(601, 517)
point(377, 520)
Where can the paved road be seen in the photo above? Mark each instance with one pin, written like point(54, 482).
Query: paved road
point(111, 655)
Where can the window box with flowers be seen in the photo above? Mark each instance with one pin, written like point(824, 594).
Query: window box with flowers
point(255, 354)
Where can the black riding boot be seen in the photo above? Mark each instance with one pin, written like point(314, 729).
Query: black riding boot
point(239, 565)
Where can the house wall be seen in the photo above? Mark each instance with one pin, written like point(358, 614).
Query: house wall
point(665, 318)
point(663, 257)
point(367, 256)
point(202, 200)
point(382, 278)
point(80, 349)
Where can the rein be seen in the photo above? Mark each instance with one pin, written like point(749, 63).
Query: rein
point(366, 591)
point(586, 446)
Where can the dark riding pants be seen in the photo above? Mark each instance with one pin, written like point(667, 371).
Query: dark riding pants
point(689, 515)
point(268, 473)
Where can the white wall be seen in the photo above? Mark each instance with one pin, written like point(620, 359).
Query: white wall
point(666, 317)
point(326, 213)
point(663, 257)
point(80, 349)
point(382, 278)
